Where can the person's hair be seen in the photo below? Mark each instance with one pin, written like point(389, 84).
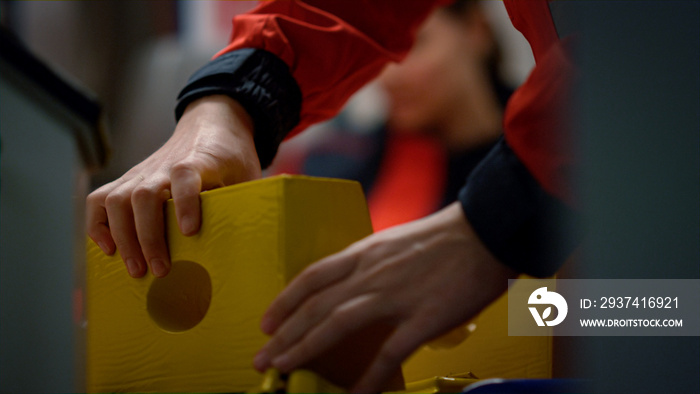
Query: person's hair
point(461, 10)
point(460, 7)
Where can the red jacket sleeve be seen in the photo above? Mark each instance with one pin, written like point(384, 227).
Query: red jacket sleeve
point(331, 47)
point(519, 199)
point(537, 118)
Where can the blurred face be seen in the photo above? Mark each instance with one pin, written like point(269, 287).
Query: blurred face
point(432, 83)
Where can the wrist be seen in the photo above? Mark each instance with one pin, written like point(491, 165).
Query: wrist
point(224, 108)
point(261, 83)
point(453, 222)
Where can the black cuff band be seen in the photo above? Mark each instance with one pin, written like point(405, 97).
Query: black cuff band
point(523, 226)
point(261, 83)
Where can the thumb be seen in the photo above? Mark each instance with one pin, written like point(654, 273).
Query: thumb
point(186, 184)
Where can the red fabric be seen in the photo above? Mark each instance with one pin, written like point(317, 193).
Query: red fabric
point(334, 47)
point(536, 119)
point(410, 183)
point(534, 20)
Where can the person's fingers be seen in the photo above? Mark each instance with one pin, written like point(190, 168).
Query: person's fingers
point(314, 278)
point(123, 231)
point(310, 313)
point(96, 221)
point(293, 328)
point(147, 203)
point(349, 317)
point(401, 343)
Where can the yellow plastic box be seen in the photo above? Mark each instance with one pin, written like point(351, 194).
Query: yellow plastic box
point(486, 351)
point(197, 329)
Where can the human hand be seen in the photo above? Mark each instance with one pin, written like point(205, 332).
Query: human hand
point(424, 278)
point(212, 146)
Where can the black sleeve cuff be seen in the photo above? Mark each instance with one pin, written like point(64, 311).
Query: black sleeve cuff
point(261, 83)
point(522, 225)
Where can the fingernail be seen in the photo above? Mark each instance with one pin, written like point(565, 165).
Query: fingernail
point(266, 325)
point(187, 226)
point(104, 248)
point(158, 268)
point(133, 267)
point(260, 360)
point(281, 362)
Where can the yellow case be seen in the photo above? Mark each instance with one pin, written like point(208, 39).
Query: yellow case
point(486, 352)
point(197, 329)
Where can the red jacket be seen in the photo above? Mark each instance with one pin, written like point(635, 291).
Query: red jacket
point(335, 47)
point(293, 63)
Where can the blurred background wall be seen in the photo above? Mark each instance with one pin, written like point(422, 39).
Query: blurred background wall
point(135, 55)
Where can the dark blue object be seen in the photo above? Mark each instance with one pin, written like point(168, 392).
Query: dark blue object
point(523, 386)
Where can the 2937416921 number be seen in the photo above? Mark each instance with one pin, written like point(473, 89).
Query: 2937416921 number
point(639, 302)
